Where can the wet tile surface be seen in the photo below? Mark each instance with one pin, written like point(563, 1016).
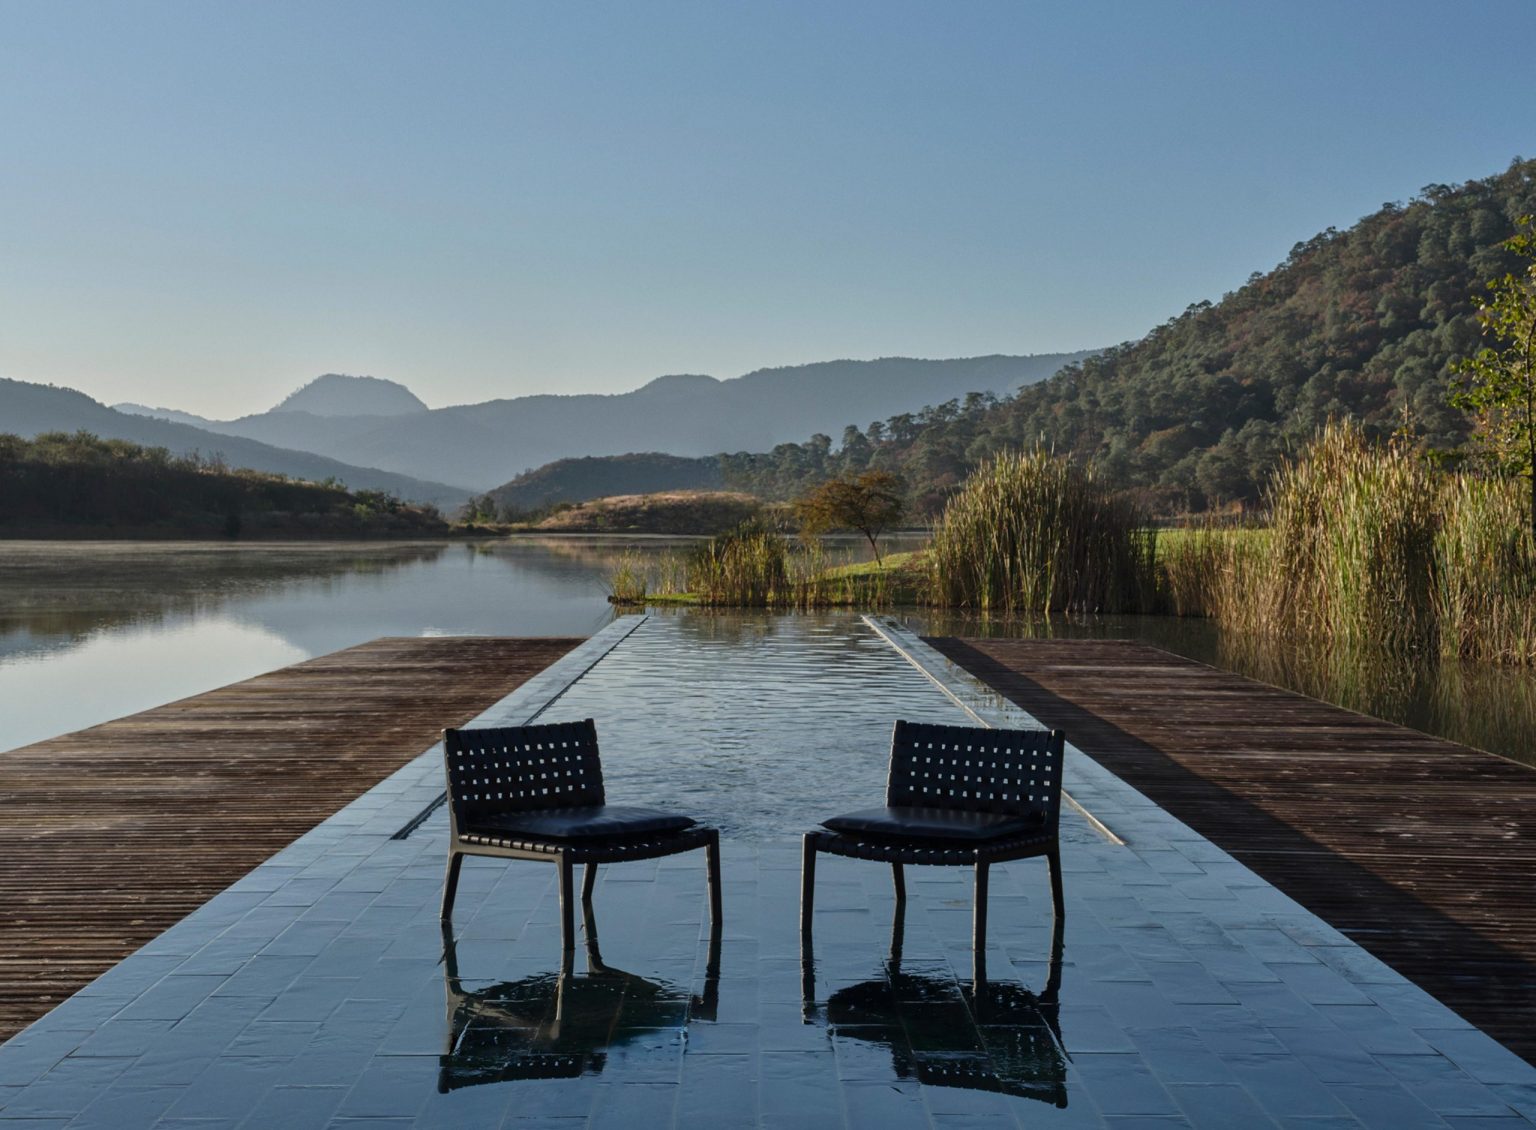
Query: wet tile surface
point(321, 991)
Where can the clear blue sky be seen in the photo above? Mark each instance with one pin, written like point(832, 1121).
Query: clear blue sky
point(204, 204)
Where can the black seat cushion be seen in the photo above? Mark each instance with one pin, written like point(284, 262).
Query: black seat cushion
point(933, 824)
point(588, 822)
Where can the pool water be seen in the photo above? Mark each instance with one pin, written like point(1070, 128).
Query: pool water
point(761, 725)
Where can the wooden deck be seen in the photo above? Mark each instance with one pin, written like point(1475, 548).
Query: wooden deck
point(111, 834)
point(1421, 850)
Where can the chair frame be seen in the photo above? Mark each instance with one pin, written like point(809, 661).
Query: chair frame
point(533, 768)
point(968, 769)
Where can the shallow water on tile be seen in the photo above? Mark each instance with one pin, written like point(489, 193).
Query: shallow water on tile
point(320, 990)
point(762, 726)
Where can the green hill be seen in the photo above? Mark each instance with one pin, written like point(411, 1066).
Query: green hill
point(1360, 323)
point(584, 479)
point(61, 485)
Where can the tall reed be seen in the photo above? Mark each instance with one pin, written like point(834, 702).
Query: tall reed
point(1352, 544)
point(744, 568)
point(1486, 583)
point(1370, 548)
point(629, 580)
point(1036, 533)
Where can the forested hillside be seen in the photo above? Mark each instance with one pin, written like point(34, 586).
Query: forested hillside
point(580, 480)
point(1360, 323)
point(62, 484)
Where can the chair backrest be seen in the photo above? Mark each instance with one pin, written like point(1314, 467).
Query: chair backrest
point(976, 769)
point(521, 768)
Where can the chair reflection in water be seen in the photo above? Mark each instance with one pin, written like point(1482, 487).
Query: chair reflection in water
point(560, 1025)
point(982, 1035)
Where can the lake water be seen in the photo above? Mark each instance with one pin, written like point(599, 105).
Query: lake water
point(93, 631)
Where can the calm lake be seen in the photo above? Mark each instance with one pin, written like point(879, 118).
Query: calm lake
point(90, 631)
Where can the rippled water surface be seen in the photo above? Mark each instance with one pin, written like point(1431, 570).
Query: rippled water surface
point(753, 722)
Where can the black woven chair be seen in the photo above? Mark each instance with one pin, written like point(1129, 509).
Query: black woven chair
point(956, 795)
point(536, 792)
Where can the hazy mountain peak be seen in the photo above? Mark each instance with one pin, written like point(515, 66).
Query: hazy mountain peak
point(339, 394)
point(170, 414)
point(681, 383)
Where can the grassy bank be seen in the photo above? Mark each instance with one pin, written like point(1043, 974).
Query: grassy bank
point(753, 566)
point(672, 512)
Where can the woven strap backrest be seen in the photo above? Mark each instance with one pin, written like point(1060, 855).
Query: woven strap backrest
point(976, 769)
point(518, 768)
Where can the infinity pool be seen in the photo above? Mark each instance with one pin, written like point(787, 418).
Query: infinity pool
point(761, 725)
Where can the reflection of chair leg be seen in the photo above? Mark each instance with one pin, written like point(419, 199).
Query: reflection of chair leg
point(451, 883)
point(712, 863)
point(1050, 996)
point(898, 935)
point(900, 880)
point(455, 1023)
point(979, 921)
point(979, 928)
point(1058, 906)
point(451, 991)
point(589, 930)
point(567, 904)
point(1053, 979)
point(807, 885)
point(588, 881)
point(707, 1007)
point(807, 976)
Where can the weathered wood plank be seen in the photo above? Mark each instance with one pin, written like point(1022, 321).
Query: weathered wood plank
point(111, 834)
point(1421, 850)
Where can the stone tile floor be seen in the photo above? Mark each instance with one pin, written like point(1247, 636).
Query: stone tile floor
point(319, 991)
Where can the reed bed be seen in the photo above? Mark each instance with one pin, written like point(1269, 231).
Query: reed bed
point(753, 566)
point(1485, 585)
point(1034, 533)
point(746, 567)
point(1369, 548)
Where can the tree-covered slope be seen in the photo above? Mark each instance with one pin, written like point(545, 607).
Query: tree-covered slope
point(581, 480)
point(1361, 323)
point(69, 484)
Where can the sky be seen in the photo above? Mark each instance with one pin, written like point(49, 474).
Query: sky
point(205, 204)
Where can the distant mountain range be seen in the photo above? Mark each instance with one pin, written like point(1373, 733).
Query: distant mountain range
point(370, 422)
point(30, 409)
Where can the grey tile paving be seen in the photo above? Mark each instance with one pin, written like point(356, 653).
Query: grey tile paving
point(313, 992)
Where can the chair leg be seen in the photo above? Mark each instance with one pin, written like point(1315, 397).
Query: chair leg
point(979, 922)
point(898, 876)
point(1058, 905)
point(451, 883)
point(712, 867)
point(588, 881)
point(807, 884)
point(567, 904)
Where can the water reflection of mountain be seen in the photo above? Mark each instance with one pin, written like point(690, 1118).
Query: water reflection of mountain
point(55, 595)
